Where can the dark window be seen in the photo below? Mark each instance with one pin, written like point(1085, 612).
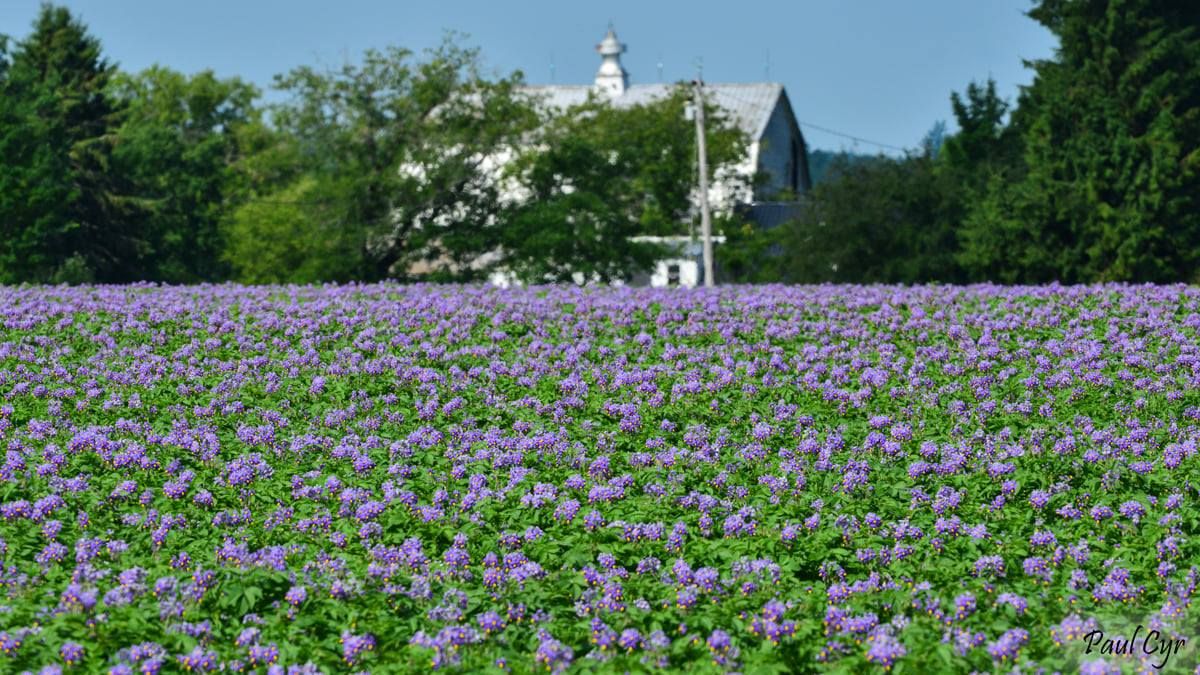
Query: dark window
point(673, 274)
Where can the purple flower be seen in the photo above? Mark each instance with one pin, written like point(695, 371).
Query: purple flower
point(353, 646)
point(719, 641)
point(198, 660)
point(260, 654)
point(630, 639)
point(1035, 566)
point(490, 622)
point(1099, 667)
point(71, 653)
point(369, 511)
point(593, 520)
point(1008, 645)
point(1133, 510)
point(296, 595)
point(1015, 601)
point(552, 654)
point(566, 510)
point(964, 606)
point(885, 650)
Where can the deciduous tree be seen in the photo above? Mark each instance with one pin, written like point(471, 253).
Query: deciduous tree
point(599, 175)
point(395, 152)
point(176, 147)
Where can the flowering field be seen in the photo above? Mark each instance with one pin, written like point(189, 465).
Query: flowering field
point(773, 479)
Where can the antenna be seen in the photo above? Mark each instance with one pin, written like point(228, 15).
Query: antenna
point(699, 68)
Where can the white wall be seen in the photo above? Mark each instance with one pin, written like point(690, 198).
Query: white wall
point(731, 184)
point(689, 273)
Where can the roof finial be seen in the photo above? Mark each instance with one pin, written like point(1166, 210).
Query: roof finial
point(611, 78)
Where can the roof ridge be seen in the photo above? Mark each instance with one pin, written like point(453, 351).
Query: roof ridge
point(751, 104)
point(655, 84)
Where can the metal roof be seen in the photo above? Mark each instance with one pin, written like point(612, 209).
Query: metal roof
point(769, 215)
point(749, 105)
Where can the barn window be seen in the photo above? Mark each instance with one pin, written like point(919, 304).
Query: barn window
point(673, 274)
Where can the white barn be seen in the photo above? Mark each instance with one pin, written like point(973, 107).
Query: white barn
point(776, 153)
point(760, 109)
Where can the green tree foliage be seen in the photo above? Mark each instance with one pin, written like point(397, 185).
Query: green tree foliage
point(895, 220)
point(899, 219)
point(750, 254)
point(288, 225)
point(1111, 130)
point(394, 154)
point(291, 237)
point(176, 146)
point(888, 220)
point(577, 218)
point(65, 215)
point(821, 161)
point(599, 175)
point(399, 167)
point(985, 144)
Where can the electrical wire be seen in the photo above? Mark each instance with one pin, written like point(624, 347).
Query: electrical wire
point(857, 139)
point(729, 93)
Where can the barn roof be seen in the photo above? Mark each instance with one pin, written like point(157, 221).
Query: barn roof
point(749, 105)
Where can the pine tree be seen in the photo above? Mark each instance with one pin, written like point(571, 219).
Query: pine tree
point(62, 216)
point(985, 144)
point(1111, 130)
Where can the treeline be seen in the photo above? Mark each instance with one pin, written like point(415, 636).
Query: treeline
point(1093, 175)
point(387, 169)
point(419, 167)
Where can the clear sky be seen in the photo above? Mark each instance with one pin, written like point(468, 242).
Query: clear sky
point(877, 69)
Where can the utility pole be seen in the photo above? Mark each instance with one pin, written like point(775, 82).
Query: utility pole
point(705, 218)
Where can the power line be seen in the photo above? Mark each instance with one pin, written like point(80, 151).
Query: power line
point(857, 139)
point(852, 137)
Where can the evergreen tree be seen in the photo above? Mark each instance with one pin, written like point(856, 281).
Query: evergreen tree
point(64, 216)
point(984, 144)
point(1111, 130)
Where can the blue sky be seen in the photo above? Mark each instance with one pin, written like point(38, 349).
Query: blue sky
point(877, 69)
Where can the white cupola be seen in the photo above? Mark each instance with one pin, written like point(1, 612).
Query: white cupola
point(611, 78)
